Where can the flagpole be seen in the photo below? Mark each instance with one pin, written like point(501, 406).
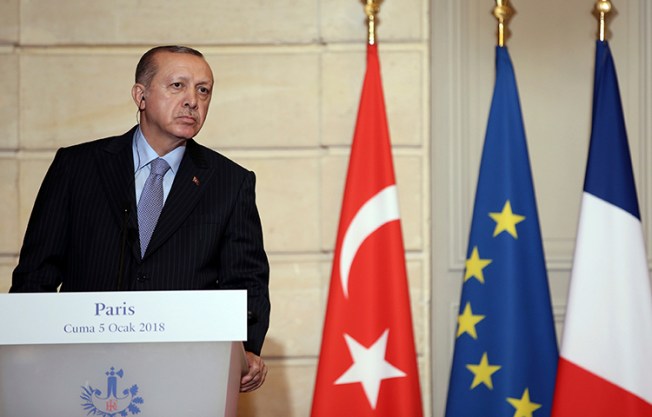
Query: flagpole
point(503, 13)
point(371, 9)
point(602, 8)
point(368, 361)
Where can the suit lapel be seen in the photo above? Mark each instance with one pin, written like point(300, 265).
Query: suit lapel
point(186, 191)
point(116, 167)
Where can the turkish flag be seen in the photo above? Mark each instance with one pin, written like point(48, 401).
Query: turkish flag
point(367, 365)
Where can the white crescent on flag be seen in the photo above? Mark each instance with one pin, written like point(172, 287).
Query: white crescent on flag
point(378, 210)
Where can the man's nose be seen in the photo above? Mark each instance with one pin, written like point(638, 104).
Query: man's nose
point(191, 99)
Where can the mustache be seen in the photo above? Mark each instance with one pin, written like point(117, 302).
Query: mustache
point(189, 113)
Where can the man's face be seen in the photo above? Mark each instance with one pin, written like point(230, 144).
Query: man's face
point(176, 101)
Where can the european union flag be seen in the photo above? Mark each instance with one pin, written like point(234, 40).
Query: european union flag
point(506, 352)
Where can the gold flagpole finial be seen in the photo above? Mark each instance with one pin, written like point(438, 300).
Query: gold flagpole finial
point(602, 9)
point(502, 12)
point(371, 9)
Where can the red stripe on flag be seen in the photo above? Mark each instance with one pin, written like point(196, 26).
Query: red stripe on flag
point(582, 393)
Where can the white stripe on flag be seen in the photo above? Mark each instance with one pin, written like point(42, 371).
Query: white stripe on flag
point(608, 327)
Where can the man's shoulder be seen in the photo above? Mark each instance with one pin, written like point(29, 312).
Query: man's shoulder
point(111, 144)
point(204, 155)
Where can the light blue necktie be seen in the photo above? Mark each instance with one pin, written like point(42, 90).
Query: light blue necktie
point(151, 202)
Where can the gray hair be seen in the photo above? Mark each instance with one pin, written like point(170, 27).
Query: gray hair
point(146, 68)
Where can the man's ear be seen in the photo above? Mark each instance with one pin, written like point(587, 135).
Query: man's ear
point(138, 95)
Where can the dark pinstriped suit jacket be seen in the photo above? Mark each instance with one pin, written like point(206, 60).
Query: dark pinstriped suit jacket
point(208, 235)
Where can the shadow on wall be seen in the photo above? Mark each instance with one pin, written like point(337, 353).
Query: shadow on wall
point(5, 277)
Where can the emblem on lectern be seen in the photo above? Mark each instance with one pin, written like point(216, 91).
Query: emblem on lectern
point(113, 402)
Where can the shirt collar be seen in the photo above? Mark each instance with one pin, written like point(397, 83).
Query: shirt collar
point(144, 154)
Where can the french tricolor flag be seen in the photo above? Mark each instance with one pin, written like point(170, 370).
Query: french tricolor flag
point(605, 365)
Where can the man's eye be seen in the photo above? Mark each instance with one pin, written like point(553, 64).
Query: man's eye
point(204, 90)
point(176, 85)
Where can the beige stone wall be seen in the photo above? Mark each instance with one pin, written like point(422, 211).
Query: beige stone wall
point(288, 78)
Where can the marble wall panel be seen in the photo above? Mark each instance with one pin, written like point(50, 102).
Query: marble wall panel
point(69, 98)
point(31, 172)
point(297, 319)
point(263, 100)
point(419, 305)
point(9, 237)
point(287, 392)
point(6, 268)
point(287, 195)
point(9, 21)
point(155, 22)
point(403, 85)
point(9, 100)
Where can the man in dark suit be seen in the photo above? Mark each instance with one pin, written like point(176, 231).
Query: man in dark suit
point(84, 233)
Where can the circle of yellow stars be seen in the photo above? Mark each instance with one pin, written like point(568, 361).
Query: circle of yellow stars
point(506, 221)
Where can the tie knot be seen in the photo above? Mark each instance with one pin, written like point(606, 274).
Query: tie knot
point(159, 166)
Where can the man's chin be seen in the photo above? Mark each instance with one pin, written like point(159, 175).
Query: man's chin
point(186, 133)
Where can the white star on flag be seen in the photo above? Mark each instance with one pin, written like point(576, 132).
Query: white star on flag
point(369, 367)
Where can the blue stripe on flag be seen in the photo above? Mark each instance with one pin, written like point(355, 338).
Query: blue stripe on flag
point(609, 173)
